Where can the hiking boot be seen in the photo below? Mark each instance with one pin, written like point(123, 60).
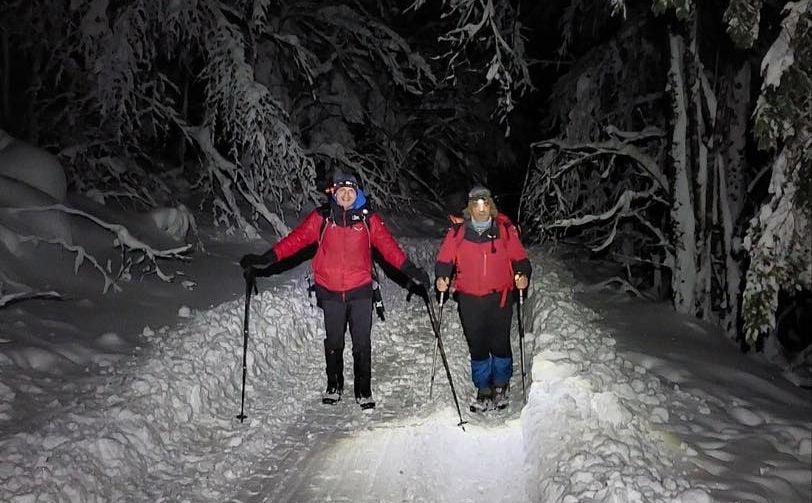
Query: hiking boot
point(366, 402)
point(331, 396)
point(501, 396)
point(483, 401)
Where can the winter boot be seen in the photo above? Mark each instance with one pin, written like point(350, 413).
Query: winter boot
point(501, 397)
point(366, 402)
point(332, 395)
point(335, 376)
point(362, 370)
point(483, 401)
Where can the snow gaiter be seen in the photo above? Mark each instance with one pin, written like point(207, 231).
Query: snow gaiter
point(362, 369)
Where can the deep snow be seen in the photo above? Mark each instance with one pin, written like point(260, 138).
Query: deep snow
point(660, 410)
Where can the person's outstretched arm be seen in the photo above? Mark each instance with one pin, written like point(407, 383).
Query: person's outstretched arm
point(298, 239)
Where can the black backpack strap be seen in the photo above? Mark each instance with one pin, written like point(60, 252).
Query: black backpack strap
point(507, 225)
point(326, 213)
point(457, 228)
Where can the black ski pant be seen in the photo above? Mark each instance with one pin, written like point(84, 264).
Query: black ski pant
point(337, 315)
point(486, 325)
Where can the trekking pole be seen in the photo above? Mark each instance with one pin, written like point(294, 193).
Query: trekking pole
point(434, 356)
point(521, 340)
point(440, 347)
point(250, 283)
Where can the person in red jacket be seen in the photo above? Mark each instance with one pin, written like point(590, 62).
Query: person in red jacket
point(346, 232)
point(485, 256)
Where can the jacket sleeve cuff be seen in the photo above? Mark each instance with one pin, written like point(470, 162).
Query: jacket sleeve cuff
point(270, 257)
point(443, 270)
point(523, 267)
point(408, 268)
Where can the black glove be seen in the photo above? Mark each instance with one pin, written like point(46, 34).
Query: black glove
point(251, 263)
point(416, 274)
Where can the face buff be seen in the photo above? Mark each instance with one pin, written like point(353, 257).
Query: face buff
point(481, 227)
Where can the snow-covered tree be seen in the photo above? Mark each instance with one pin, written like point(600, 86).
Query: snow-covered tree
point(645, 157)
point(265, 93)
point(779, 237)
point(487, 37)
point(713, 186)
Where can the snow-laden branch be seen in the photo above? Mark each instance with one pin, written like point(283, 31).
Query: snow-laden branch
point(778, 242)
point(81, 255)
point(492, 27)
point(8, 298)
point(782, 108)
point(123, 236)
point(610, 147)
point(603, 192)
point(622, 207)
point(228, 176)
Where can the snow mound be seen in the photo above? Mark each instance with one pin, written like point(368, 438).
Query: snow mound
point(168, 418)
point(584, 424)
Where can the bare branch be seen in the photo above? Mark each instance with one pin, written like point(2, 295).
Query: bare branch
point(8, 298)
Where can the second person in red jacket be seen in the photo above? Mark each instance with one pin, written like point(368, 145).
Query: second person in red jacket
point(487, 260)
point(346, 232)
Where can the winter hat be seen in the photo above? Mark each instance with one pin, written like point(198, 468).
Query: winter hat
point(342, 179)
point(479, 192)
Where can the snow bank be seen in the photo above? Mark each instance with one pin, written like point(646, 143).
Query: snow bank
point(590, 424)
point(161, 425)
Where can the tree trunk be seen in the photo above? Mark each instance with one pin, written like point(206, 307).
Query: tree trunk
point(731, 167)
point(703, 188)
point(683, 279)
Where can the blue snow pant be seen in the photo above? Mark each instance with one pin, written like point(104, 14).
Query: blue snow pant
point(357, 313)
point(486, 325)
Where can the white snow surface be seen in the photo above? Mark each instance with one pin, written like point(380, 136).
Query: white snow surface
point(155, 420)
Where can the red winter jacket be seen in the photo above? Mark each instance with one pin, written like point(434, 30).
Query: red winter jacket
point(483, 263)
point(343, 260)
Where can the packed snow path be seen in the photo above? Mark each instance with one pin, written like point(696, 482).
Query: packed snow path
point(161, 426)
point(407, 449)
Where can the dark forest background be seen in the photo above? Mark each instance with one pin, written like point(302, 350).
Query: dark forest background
point(671, 137)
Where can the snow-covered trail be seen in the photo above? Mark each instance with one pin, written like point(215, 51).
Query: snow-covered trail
point(160, 425)
point(409, 448)
point(425, 461)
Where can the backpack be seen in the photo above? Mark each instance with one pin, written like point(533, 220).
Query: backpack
point(326, 213)
point(457, 224)
point(506, 224)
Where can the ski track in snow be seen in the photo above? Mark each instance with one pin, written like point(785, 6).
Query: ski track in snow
point(160, 426)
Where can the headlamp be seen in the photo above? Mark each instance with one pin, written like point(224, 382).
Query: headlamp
point(481, 202)
point(345, 183)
